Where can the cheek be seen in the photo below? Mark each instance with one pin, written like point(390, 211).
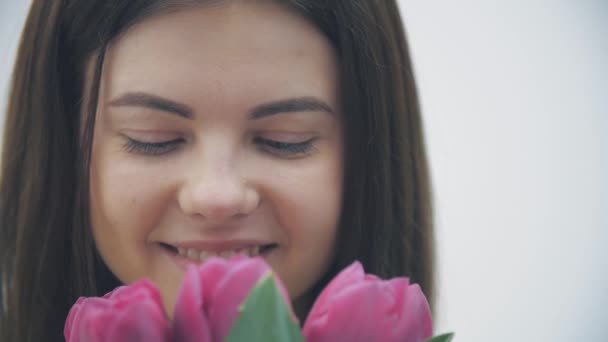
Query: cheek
point(125, 196)
point(312, 204)
point(307, 193)
point(308, 208)
point(127, 203)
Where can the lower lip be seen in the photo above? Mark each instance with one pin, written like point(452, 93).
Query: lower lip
point(183, 262)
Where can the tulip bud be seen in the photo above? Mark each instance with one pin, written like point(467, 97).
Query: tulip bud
point(357, 307)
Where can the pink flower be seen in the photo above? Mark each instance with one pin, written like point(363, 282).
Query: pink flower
point(358, 307)
point(128, 313)
point(220, 289)
point(190, 322)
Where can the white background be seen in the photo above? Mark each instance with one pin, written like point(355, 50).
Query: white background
point(515, 102)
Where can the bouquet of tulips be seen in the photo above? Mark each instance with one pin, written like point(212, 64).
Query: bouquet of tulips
point(241, 299)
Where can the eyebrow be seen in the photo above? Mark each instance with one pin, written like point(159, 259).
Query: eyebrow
point(153, 102)
point(299, 104)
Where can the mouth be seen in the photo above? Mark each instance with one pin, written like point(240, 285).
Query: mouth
point(200, 255)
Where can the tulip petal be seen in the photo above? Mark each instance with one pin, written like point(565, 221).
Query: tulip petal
point(230, 282)
point(86, 325)
point(419, 325)
point(352, 274)
point(140, 322)
point(369, 309)
point(128, 313)
point(190, 322)
point(73, 319)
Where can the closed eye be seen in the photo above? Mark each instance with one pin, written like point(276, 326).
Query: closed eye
point(151, 148)
point(285, 149)
point(275, 147)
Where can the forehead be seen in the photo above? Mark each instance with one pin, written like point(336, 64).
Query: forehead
point(246, 50)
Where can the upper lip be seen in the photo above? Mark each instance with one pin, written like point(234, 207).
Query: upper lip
point(219, 245)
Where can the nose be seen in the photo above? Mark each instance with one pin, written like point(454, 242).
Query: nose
point(217, 192)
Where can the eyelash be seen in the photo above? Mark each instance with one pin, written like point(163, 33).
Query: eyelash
point(151, 148)
point(280, 148)
point(285, 149)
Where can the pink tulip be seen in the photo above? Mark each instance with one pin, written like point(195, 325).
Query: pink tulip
point(225, 285)
point(359, 307)
point(190, 323)
point(128, 313)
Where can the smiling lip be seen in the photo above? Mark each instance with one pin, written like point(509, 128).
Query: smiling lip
point(211, 246)
point(219, 245)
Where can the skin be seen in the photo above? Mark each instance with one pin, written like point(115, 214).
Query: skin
point(217, 179)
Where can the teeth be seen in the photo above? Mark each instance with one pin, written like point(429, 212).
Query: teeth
point(227, 254)
point(202, 255)
point(193, 253)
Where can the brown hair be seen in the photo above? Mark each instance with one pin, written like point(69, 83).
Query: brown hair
point(47, 255)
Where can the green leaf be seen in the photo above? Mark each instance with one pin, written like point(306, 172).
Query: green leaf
point(264, 316)
point(441, 338)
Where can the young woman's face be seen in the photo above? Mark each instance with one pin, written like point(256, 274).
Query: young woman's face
point(218, 131)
